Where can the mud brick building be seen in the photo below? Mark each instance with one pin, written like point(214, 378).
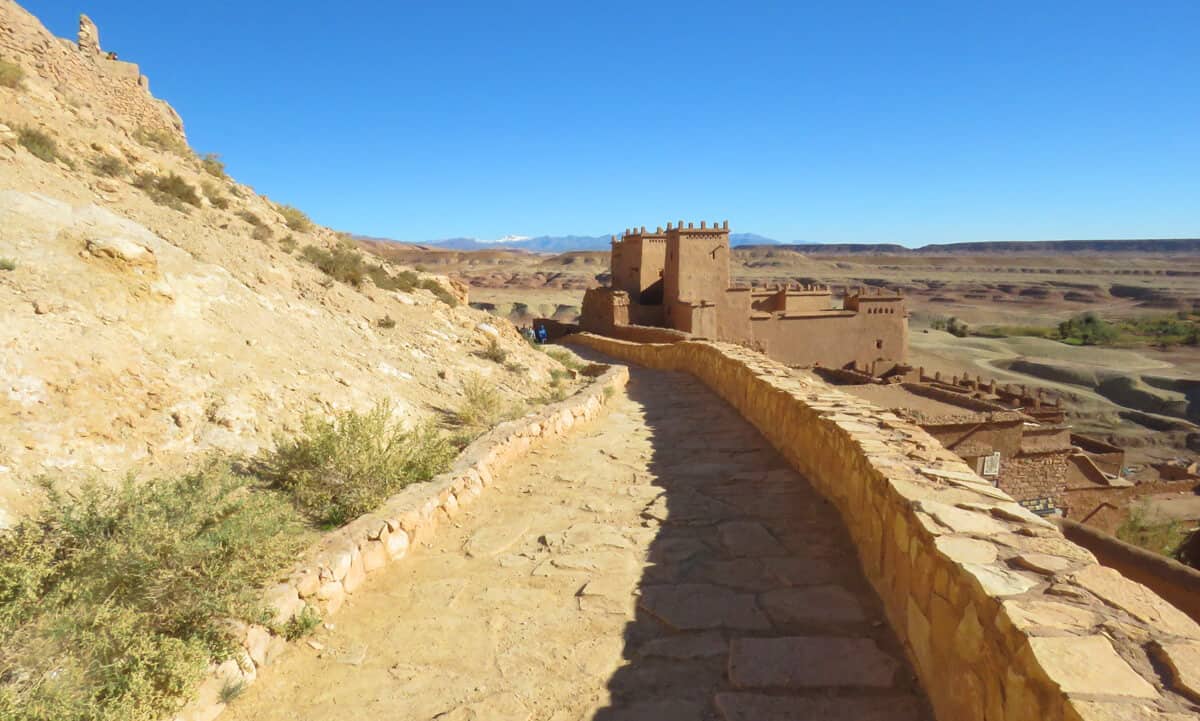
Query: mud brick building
point(679, 279)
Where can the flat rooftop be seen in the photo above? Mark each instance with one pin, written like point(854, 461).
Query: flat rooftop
point(897, 397)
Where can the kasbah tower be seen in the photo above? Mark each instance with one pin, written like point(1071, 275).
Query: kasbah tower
point(679, 279)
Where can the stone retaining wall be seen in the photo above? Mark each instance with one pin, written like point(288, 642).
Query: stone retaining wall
point(1003, 618)
point(1175, 582)
point(338, 564)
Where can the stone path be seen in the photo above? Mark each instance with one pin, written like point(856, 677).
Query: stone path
point(660, 564)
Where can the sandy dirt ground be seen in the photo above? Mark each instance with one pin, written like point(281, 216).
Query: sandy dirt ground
point(660, 564)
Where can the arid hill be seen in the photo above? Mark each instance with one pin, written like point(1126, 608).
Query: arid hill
point(156, 310)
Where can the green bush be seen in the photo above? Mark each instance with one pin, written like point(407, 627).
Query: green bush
point(39, 143)
point(337, 470)
point(170, 190)
point(113, 601)
point(211, 162)
point(1087, 329)
point(295, 218)
point(109, 166)
point(11, 74)
point(340, 264)
point(8, 264)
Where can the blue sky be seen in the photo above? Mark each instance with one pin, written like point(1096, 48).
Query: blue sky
point(836, 122)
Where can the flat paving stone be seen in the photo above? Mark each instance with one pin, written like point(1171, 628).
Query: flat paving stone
point(813, 605)
point(801, 662)
point(758, 707)
point(747, 538)
point(697, 606)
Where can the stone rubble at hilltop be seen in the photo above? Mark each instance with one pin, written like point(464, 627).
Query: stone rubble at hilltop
point(139, 337)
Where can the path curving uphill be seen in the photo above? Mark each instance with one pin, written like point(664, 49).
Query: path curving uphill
point(662, 563)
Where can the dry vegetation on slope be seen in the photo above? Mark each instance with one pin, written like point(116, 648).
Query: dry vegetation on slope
point(156, 310)
point(194, 380)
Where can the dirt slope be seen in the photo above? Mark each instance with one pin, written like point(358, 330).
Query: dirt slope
point(138, 336)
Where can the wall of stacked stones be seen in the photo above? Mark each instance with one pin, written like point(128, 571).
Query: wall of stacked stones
point(1003, 618)
point(338, 565)
point(114, 89)
point(1035, 476)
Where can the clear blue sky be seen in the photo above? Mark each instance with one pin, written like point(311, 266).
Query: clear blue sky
point(840, 122)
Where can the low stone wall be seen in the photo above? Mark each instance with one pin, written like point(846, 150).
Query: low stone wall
point(1003, 618)
point(1167, 577)
point(340, 562)
point(648, 334)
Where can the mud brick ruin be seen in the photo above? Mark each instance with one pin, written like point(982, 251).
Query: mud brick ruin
point(679, 279)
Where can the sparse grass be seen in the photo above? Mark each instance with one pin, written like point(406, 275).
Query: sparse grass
point(386, 322)
point(295, 218)
point(482, 406)
point(1165, 538)
point(11, 74)
point(109, 166)
point(162, 140)
point(113, 601)
point(407, 281)
point(211, 162)
point(337, 469)
point(249, 217)
point(170, 190)
point(288, 244)
point(212, 191)
point(302, 624)
point(262, 232)
point(494, 351)
point(39, 143)
point(231, 690)
point(564, 356)
point(340, 264)
point(7, 264)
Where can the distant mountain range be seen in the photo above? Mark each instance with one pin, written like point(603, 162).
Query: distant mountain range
point(566, 243)
point(556, 243)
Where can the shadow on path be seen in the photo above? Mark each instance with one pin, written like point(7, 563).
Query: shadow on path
point(752, 606)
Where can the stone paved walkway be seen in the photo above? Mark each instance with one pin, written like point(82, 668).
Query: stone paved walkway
point(660, 564)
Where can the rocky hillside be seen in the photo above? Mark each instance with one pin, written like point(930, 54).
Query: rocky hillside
point(154, 310)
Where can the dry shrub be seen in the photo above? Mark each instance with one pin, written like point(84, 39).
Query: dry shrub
point(11, 74)
point(295, 218)
point(109, 166)
point(39, 143)
point(336, 470)
point(340, 264)
point(170, 190)
point(211, 162)
point(113, 601)
point(482, 406)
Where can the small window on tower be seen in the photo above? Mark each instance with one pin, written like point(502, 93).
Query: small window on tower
point(879, 343)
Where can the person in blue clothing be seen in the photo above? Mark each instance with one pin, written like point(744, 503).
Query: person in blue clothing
point(541, 334)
